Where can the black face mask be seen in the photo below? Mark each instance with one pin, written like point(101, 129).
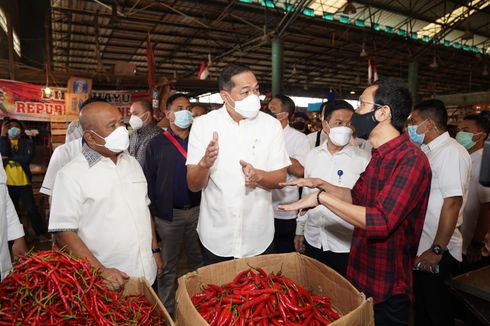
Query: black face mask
point(364, 124)
point(299, 125)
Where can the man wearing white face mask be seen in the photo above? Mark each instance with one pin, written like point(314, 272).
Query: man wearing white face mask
point(174, 207)
point(99, 207)
point(328, 237)
point(144, 129)
point(237, 172)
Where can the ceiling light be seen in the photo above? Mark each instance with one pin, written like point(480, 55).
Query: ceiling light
point(434, 64)
point(352, 92)
point(363, 51)
point(349, 8)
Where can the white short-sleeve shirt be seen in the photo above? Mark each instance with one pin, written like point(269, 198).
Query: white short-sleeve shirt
point(297, 146)
point(320, 226)
point(236, 221)
point(451, 171)
point(107, 205)
point(477, 195)
point(61, 156)
point(10, 227)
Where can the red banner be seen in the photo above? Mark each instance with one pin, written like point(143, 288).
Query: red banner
point(25, 101)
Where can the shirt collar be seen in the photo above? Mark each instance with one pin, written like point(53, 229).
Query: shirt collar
point(391, 145)
point(436, 142)
point(347, 150)
point(90, 155)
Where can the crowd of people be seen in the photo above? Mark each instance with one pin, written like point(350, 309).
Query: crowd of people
point(381, 193)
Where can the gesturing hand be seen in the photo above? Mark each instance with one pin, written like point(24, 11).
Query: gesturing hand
point(303, 182)
point(211, 153)
point(303, 204)
point(252, 175)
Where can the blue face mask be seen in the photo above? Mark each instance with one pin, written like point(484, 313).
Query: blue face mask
point(183, 119)
point(466, 139)
point(414, 136)
point(14, 132)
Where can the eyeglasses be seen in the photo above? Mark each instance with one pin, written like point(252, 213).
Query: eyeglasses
point(362, 102)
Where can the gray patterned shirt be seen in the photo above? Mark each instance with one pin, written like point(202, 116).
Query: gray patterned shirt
point(140, 138)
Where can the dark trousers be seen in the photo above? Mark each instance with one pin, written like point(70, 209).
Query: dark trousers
point(433, 301)
point(284, 232)
point(395, 311)
point(209, 258)
point(25, 196)
point(336, 261)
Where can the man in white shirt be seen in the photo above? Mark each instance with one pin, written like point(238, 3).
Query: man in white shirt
point(297, 146)
point(328, 237)
point(10, 228)
point(319, 137)
point(236, 172)
point(99, 205)
point(440, 248)
point(473, 131)
point(61, 156)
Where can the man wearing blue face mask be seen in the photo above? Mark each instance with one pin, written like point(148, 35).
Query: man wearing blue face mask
point(174, 207)
point(473, 131)
point(238, 171)
point(440, 249)
point(99, 207)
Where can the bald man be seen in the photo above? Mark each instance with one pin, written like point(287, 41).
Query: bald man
point(99, 205)
point(144, 129)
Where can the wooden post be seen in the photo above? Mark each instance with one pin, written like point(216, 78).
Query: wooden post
point(47, 42)
point(10, 41)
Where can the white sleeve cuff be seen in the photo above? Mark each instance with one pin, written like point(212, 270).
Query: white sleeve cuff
point(15, 232)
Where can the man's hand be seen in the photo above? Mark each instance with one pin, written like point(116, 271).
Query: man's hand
point(427, 261)
point(19, 248)
point(159, 261)
point(252, 175)
point(303, 204)
point(211, 153)
point(114, 278)
point(299, 243)
point(303, 182)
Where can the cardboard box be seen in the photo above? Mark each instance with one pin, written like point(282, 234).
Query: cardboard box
point(309, 273)
point(139, 285)
point(475, 283)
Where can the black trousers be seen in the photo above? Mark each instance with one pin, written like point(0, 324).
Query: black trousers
point(336, 261)
point(394, 311)
point(25, 196)
point(209, 258)
point(284, 232)
point(434, 304)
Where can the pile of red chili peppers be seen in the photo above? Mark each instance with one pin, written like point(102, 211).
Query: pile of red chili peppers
point(52, 288)
point(258, 298)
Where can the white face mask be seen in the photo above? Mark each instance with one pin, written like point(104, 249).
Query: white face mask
point(249, 107)
point(340, 136)
point(135, 122)
point(117, 141)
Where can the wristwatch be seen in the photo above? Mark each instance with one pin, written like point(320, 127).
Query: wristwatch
point(156, 250)
point(437, 249)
